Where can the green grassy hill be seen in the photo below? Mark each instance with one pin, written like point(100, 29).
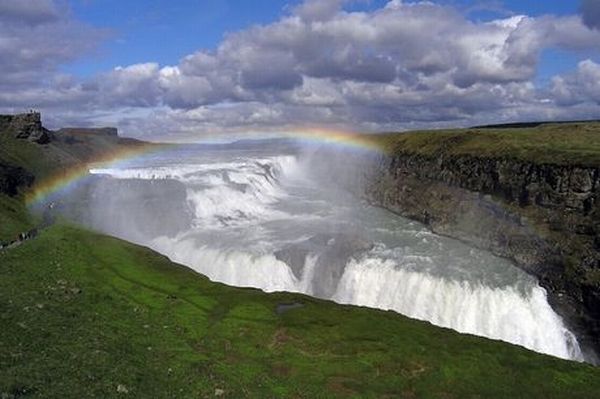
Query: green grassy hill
point(569, 143)
point(67, 149)
point(85, 315)
point(14, 218)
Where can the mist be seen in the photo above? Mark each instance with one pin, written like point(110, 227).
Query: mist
point(280, 215)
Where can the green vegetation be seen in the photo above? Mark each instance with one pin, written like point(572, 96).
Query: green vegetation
point(64, 151)
point(14, 218)
point(575, 143)
point(87, 315)
point(44, 162)
point(23, 153)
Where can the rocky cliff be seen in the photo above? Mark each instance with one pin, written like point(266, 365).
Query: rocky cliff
point(12, 178)
point(543, 216)
point(28, 150)
point(25, 126)
point(18, 127)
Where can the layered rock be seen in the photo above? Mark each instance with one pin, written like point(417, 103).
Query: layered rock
point(544, 217)
point(25, 126)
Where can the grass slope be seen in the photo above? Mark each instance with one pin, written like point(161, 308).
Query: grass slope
point(14, 218)
point(65, 151)
point(85, 315)
point(569, 143)
point(23, 153)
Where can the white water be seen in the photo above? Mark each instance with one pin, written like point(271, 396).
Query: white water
point(500, 313)
point(259, 219)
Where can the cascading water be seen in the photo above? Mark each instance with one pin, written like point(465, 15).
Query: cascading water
point(252, 215)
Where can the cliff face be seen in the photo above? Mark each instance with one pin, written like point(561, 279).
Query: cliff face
point(25, 126)
point(544, 217)
point(12, 178)
point(570, 188)
point(28, 150)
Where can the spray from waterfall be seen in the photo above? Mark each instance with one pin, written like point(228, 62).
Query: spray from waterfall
point(280, 217)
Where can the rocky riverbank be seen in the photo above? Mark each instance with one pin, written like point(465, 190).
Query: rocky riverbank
point(543, 216)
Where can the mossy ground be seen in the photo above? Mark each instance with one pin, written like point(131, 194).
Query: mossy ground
point(571, 143)
point(84, 314)
point(14, 218)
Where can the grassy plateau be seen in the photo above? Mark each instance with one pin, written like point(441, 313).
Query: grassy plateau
point(568, 143)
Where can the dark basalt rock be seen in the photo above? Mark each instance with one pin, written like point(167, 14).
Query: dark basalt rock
point(12, 178)
point(26, 126)
point(543, 217)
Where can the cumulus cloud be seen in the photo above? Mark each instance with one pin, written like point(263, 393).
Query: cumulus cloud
point(134, 85)
point(36, 37)
point(400, 41)
point(581, 86)
point(590, 12)
point(404, 65)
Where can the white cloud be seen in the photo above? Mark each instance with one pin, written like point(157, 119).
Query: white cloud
point(581, 86)
point(407, 64)
point(134, 85)
point(36, 38)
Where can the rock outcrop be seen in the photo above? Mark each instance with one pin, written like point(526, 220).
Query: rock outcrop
point(25, 126)
point(544, 217)
point(22, 127)
point(12, 178)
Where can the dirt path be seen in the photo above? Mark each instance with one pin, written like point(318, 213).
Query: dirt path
point(47, 220)
point(24, 236)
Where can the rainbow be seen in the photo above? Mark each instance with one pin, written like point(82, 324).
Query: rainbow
point(69, 177)
point(357, 141)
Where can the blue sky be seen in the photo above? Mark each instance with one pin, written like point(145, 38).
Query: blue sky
point(167, 30)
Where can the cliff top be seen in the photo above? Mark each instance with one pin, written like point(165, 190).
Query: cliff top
point(20, 146)
point(563, 144)
point(100, 131)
